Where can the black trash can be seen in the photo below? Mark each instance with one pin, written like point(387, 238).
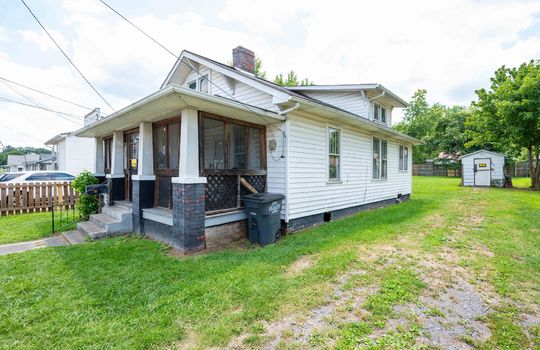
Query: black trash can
point(264, 216)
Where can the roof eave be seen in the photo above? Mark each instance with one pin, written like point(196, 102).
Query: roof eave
point(361, 121)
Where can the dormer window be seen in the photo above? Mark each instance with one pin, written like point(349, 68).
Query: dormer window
point(379, 113)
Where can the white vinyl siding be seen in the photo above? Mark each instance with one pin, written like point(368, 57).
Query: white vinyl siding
point(309, 191)
point(76, 154)
point(351, 101)
point(276, 165)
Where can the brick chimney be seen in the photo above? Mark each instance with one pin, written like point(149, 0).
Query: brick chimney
point(244, 59)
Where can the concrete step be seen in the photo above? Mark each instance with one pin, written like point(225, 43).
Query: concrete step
point(111, 224)
point(123, 204)
point(75, 237)
point(120, 213)
point(91, 230)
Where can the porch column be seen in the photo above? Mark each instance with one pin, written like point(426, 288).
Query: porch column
point(144, 181)
point(117, 167)
point(100, 164)
point(189, 188)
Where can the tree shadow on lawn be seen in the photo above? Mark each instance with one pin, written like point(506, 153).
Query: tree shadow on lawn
point(129, 292)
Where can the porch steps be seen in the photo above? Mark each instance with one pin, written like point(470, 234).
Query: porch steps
point(113, 221)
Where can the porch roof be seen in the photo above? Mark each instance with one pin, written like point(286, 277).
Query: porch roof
point(168, 102)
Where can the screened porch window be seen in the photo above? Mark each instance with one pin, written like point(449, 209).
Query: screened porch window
point(231, 146)
point(380, 159)
point(107, 154)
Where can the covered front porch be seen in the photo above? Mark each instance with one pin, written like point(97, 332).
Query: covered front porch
point(184, 163)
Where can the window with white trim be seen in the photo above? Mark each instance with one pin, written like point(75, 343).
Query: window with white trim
point(380, 159)
point(203, 84)
point(193, 85)
point(379, 113)
point(403, 158)
point(334, 139)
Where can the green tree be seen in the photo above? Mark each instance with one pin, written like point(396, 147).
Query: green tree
point(259, 73)
point(291, 80)
point(507, 115)
point(441, 128)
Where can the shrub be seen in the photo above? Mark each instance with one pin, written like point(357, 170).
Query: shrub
point(87, 204)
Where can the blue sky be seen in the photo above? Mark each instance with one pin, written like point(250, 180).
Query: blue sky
point(449, 48)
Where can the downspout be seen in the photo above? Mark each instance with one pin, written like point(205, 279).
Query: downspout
point(293, 108)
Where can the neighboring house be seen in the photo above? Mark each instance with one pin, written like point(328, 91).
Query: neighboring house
point(483, 168)
point(29, 162)
point(75, 154)
point(176, 157)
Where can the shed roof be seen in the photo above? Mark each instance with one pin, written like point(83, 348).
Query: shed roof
point(480, 151)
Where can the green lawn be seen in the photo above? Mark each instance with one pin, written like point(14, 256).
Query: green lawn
point(27, 227)
point(521, 182)
point(130, 293)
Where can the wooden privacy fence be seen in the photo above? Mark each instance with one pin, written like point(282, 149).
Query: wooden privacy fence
point(430, 169)
point(36, 197)
point(518, 169)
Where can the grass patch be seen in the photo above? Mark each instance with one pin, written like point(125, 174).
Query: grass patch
point(129, 293)
point(28, 227)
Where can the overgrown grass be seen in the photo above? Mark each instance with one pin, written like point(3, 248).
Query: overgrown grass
point(27, 227)
point(521, 182)
point(130, 293)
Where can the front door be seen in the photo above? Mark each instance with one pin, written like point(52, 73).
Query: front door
point(482, 171)
point(131, 156)
point(166, 159)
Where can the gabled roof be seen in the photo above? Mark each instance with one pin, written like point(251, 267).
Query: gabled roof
point(481, 151)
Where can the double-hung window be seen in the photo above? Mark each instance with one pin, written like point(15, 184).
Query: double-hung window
point(403, 158)
point(379, 113)
point(334, 139)
point(380, 159)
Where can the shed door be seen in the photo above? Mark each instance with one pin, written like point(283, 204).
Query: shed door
point(482, 171)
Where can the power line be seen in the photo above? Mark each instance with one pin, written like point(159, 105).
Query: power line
point(192, 68)
point(66, 56)
point(31, 100)
point(22, 133)
point(4, 99)
point(44, 93)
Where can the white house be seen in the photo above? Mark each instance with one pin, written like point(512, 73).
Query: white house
point(482, 168)
point(29, 162)
point(72, 153)
point(178, 157)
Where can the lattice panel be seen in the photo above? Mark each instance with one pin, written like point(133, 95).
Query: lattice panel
point(257, 181)
point(221, 192)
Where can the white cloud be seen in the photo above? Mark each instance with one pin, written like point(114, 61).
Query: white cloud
point(41, 39)
point(449, 48)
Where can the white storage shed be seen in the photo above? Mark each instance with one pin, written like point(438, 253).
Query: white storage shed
point(482, 168)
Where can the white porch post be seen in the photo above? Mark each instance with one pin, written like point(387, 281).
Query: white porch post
point(100, 164)
point(117, 167)
point(144, 182)
point(117, 161)
point(146, 153)
point(188, 171)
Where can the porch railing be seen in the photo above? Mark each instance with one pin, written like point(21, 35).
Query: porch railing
point(35, 197)
point(224, 191)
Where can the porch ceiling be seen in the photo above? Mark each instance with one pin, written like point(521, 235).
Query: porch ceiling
point(169, 102)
